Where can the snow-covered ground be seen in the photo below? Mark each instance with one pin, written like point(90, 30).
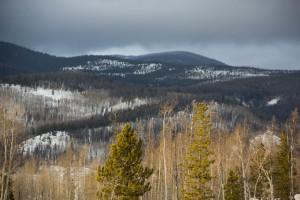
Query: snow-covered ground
point(100, 65)
point(147, 68)
point(42, 92)
point(47, 105)
point(55, 141)
point(207, 73)
point(105, 65)
point(111, 67)
point(121, 105)
point(273, 102)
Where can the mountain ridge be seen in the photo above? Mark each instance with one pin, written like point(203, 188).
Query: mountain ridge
point(15, 59)
point(177, 57)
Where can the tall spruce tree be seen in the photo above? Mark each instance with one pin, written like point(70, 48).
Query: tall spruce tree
point(282, 169)
point(233, 187)
point(198, 158)
point(123, 176)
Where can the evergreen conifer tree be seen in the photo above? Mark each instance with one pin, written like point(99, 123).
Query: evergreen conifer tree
point(123, 176)
point(282, 168)
point(233, 187)
point(198, 158)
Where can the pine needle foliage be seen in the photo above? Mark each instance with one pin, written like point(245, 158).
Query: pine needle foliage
point(123, 177)
point(282, 168)
point(198, 158)
point(233, 187)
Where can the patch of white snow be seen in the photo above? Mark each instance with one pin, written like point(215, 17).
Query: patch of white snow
point(56, 141)
point(273, 102)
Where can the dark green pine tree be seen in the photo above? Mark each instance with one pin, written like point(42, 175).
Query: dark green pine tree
point(123, 176)
point(233, 187)
point(198, 158)
point(282, 168)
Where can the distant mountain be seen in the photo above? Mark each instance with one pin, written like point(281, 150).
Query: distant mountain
point(15, 59)
point(167, 68)
point(177, 58)
point(263, 91)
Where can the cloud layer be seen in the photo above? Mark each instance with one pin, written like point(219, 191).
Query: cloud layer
point(262, 33)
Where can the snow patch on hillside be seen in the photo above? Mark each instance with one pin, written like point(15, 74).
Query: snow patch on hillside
point(53, 94)
point(273, 102)
point(147, 68)
point(207, 73)
point(100, 65)
point(105, 65)
point(56, 141)
point(51, 106)
point(121, 105)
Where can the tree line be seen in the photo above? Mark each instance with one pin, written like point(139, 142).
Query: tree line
point(203, 169)
point(189, 159)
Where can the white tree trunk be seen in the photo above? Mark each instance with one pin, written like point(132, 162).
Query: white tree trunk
point(165, 159)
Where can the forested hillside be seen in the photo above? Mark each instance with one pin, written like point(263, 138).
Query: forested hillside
point(238, 159)
point(119, 127)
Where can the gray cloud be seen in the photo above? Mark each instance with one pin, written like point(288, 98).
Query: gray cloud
point(241, 32)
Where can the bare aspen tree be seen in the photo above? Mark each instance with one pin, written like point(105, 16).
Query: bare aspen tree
point(260, 157)
point(241, 148)
point(9, 127)
point(220, 165)
point(175, 163)
point(292, 130)
point(166, 110)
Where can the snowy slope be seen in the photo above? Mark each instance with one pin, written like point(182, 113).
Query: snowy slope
point(42, 92)
point(209, 73)
point(273, 102)
point(147, 68)
point(203, 72)
point(56, 141)
point(100, 65)
point(43, 105)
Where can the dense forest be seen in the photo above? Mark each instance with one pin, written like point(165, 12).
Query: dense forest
point(190, 154)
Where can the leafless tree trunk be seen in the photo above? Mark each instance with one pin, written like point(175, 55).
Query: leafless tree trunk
point(164, 157)
point(167, 109)
point(292, 127)
point(242, 157)
point(8, 137)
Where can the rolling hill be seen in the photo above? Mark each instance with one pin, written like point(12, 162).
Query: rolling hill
point(177, 58)
point(165, 68)
point(154, 75)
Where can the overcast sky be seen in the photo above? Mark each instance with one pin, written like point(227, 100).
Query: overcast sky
point(262, 33)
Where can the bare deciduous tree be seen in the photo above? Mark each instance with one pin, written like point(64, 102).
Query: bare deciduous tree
point(9, 136)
